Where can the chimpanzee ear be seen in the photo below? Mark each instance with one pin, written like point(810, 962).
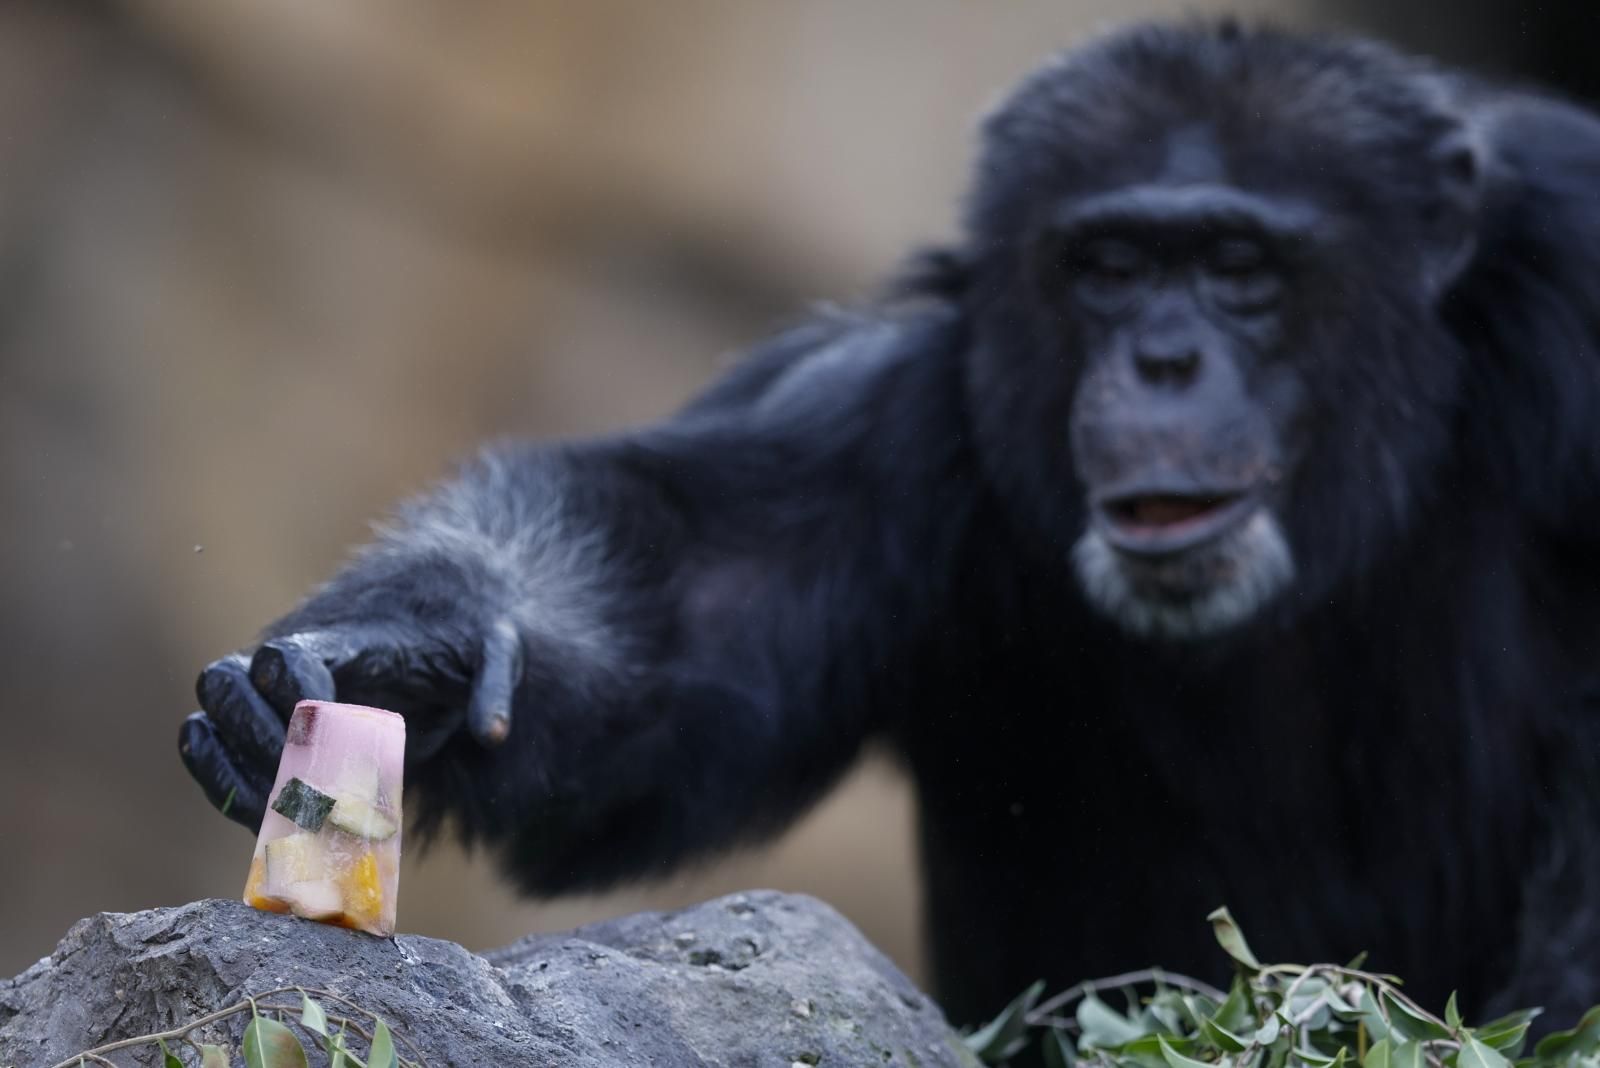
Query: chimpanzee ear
point(1451, 217)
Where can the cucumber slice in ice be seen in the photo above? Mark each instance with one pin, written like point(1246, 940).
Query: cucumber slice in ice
point(295, 858)
point(362, 820)
point(304, 804)
point(358, 781)
point(315, 899)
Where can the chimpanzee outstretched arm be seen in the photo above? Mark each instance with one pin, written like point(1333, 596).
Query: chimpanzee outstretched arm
point(618, 653)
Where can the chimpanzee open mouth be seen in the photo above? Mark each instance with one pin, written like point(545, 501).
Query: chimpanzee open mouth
point(1161, 523)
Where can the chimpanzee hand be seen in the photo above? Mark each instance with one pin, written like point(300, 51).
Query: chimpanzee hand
point(439, 675)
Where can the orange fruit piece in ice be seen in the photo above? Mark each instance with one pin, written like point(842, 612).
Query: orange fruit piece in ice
point(252, 890)
point(363, 893)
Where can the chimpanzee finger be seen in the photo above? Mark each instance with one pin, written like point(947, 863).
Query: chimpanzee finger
point(236, 795)
point(254, 730)
point(489, 713)
point(292, 669)
point(318, 664)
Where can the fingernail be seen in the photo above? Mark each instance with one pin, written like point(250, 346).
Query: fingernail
point(206, 688)
point(268, 668)
point(496, 730)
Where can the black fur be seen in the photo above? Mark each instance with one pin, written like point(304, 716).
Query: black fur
point(866, 531)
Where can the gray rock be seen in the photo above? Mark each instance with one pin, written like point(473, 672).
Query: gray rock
point(756, 979)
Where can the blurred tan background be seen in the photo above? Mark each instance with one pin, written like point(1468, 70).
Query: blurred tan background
point(265, 267)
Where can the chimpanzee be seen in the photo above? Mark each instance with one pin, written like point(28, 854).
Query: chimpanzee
point(1216, 521)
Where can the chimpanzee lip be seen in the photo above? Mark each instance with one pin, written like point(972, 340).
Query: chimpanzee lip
point(1164, 519)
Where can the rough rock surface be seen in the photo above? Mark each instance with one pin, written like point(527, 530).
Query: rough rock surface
point(755, 979)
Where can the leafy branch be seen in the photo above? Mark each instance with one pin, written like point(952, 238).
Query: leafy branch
point(1272, 1016)
point(269, 1039)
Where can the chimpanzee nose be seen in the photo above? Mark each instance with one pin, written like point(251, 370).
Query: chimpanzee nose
point(1173, 362)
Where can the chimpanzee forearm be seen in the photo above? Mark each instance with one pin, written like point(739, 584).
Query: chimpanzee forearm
point(618, 653)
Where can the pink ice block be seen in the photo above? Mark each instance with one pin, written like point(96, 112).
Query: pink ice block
point(329, 847)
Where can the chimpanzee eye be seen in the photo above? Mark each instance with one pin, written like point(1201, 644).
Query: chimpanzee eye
point(1242, 277)
point(1111, 260)
point(1106, 272)
point(1237, 256)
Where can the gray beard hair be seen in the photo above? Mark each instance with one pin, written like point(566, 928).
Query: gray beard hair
point(1193, 595)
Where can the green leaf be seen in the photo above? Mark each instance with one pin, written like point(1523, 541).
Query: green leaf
point(1305, 993)
point(1341, 1008)
point(382, 1052)
point(269, 1044)
point(958, 1049)
point(1195, 1009)
point(1507, 1040)
point(1378, 1055)
point(1511, 1019)
point(1146, 1052)
point(993, 1042)
point(1165, 1011)
point(1357, 961)
point(1408, 1054)
point(1321, 1060)
point(1267, 1033)
point(312, 1018)
point(338, 1056)
point(1474, 1054)
point(1376, 1025)
point(167, 1059)
point(1311, 993)
point(1142, 1052)
point(213, 1057)
point(1581, 1039)
point(1103, 1027)
point(1198, 1005)
point(1231, 939)
point(1057, 1049)
point(1235, 1013)
point(1221, 1037)
point(1452, 1015)
point(1175, 1059)
point(1408, 1022)
point(1277, 1053)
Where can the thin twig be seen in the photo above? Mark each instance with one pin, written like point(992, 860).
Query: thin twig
point(1305, 1015)
point(1118, 982)
point(1061, 1023)
point(182, 1033)
point(344, 1022)
point(175, 1033)
point(1387, 983)
point(1294, 986)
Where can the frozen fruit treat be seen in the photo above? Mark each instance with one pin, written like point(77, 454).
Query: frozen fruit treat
point(329, 847)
